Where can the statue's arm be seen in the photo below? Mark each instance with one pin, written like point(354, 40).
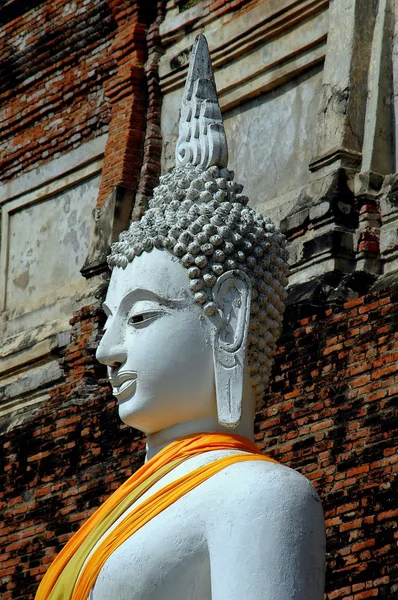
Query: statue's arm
point(266, 537)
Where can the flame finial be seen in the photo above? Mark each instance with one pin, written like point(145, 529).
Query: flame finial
point(202, 139)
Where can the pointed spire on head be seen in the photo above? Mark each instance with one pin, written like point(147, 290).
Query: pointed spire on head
point(202, 139)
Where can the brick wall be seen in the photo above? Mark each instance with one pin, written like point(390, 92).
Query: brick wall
point(329, 414)
point(332, 414)
point(55, 61)
point(72, 71)
point(59, 461)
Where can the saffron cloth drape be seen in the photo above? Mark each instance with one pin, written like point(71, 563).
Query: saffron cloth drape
point(74, 571)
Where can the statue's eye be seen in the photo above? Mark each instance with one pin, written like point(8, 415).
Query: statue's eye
point(142, 319)
point(137, 319)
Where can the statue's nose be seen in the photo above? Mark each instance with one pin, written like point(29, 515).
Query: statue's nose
point(111, 351)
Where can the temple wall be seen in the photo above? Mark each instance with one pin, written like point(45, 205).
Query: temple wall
point(35, 267)
point(291, 111)
point(55, 61)
point(331, 412)
point(90, 94)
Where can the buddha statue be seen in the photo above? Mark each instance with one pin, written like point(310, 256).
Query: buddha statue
point(194, 309)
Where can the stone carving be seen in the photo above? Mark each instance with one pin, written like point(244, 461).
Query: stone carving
point(194, 309)
point(222, 268)
point(202, 218)
point(202, 137)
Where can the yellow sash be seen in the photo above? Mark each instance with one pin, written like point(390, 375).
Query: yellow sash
point(68, 579)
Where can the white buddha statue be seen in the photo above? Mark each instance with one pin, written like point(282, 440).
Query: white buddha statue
point(194, 309)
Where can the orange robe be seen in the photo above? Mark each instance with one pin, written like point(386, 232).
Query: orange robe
point(74, 571)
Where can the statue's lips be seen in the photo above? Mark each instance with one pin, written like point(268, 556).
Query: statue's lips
point(123, 384)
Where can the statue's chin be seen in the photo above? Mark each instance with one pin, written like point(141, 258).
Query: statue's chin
point(150, 412)
point(133, 414)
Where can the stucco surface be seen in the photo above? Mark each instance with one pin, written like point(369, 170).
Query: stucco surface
point(48, 243)
point(270, 140)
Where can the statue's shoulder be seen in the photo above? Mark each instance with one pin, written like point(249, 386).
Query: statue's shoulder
point(265, 532)
point(265, 485)
point(273, 505)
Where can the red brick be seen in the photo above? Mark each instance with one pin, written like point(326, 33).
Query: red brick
point(366, 594)
point(323, 414)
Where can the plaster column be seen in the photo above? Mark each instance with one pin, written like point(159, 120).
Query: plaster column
point(334, 225)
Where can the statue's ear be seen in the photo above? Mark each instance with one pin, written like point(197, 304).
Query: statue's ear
point(232, 293)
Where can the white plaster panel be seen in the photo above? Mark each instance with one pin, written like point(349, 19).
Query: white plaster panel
point(270, 141)
point(48, 243)
point(16, 388)
point(244, 49)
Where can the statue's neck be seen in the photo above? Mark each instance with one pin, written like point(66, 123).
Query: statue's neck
point(159, 440)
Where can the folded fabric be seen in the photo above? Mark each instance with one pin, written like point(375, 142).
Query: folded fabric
point(74, 571)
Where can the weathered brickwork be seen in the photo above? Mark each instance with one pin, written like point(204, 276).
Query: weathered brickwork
point(149, 175)
point(126, 91)
point(330, 414)
point(67, 71)
point(71, 71)
point(55, 62)
point(59, 461)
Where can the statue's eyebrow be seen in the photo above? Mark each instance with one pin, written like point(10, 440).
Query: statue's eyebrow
point(144, 294)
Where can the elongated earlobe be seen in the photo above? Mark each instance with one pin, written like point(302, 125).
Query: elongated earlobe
point(232, 294)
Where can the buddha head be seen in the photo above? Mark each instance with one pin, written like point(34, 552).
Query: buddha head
point(197, 291)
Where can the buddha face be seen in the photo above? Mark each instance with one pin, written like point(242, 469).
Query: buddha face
point(157, 345)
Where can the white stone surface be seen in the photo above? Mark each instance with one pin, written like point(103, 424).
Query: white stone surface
point(16, 389)
point(156, 345)
point(342, 101)
point(377, 152)
point(46, 216)
point(53, 170)
point(201, 138)
point(270, 140)
point(252, 50)
point(202, 218)
point(252, 531)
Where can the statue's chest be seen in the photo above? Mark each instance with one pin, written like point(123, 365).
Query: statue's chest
point(165, 560)
point(168, 558)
